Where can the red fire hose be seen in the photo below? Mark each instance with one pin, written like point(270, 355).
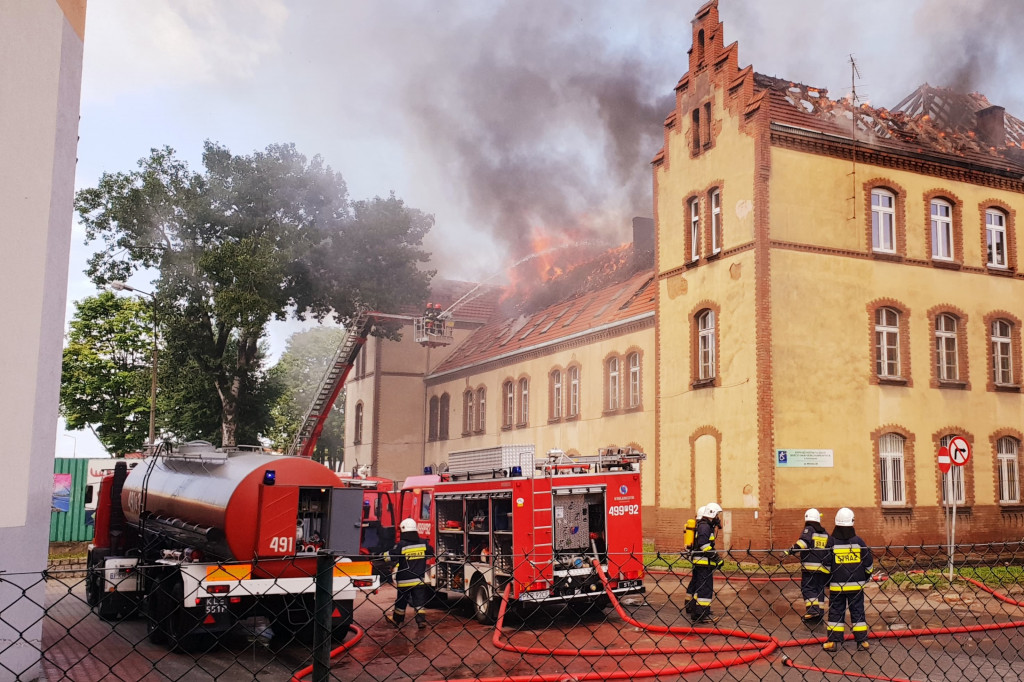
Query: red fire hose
point(297, 677)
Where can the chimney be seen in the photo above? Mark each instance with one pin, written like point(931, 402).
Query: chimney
point(643, 239)
point(991, 123)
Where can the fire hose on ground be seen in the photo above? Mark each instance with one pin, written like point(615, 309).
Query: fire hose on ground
point(757, 647)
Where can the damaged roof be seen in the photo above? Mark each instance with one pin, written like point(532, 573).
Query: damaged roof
point(929, 120)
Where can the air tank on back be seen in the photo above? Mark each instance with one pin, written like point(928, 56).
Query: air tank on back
point(224, 502)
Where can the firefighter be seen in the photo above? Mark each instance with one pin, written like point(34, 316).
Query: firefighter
point(850, 565)
point(410, 555)
point(692, 586)
point(811, 548)
point(705, 560)
point(428, 318)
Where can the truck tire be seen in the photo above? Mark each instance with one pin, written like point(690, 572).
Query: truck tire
point(93, 587)
point(182, 623)
point(485, 608)
point(343, 625)
point(157, 607)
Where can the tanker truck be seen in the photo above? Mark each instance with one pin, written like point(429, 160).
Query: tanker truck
point(200, 538)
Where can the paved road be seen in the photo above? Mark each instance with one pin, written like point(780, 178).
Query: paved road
point(80, 646)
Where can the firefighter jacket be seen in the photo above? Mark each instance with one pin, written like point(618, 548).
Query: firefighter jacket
point(850, 564)
point(704, 553)
point(410, 554)
point(812, 548)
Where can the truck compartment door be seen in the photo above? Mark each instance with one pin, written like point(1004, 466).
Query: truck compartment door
point(346, 520)
point(278, 510)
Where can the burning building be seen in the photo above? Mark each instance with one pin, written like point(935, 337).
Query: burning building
point(838, 295)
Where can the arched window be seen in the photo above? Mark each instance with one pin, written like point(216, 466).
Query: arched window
point(481, 401)
point(556, 394)
point(883, 221)
point(1002, 356)
point(432, 423)
point(700, 47)
point(508, 404)
point(613, 383)
point(706, 344)
point(891, 473)
point(468, 412)
point(574, 391)
point(942, 229)
point(357, 437)
point(945, 348)
point(634, 379)
point(1009, 471)
point(694, 229)
point(524, 402)
point(716, 220)
point(995, 237)
point(887, 342)
point(445, 408)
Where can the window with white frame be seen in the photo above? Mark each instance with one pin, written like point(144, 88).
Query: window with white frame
point(1002, 362)
point(891, 475)
point(716, 221)
point(556, 394)
point(942, 229)
point(952, 482)
point(883, 221)
point(706, 345)
point(508, 407)
point(574, 391)
point(468, 413)
point(613, 384)
point(634, 379)
point(995, 237)
point(357, 436)
point(481, 398)
point(945, 348)
point(694, 229)
point(1009, 479)
point(524, 401)
point(887, 342)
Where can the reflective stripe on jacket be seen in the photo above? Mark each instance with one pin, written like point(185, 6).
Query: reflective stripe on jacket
point(411, 557)
point(704, 553)
point(850, 564)
point(812, 548)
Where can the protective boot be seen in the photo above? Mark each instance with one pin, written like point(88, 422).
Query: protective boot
point(421, 621)
point(691, 604)
point(396, 619)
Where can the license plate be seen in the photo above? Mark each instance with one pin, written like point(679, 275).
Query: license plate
point(216, 605)
point(535, 596)
point(626, 584)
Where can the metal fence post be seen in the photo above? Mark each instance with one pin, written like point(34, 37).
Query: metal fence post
point(323, 606)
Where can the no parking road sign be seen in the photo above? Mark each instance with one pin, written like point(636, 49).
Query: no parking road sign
point(959, 451)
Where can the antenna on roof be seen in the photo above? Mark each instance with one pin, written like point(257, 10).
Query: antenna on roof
point(854, 106)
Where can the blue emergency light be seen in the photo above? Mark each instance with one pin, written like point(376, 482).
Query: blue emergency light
point(428, 470)
point(269, 477)
point(517, 471)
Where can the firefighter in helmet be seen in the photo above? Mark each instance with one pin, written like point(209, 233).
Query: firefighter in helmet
point(850, 565)
point(811, 549)
point(705, 560)
point(410, 556)
point(691, 588)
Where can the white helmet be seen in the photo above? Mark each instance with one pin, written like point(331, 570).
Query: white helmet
point(700, 512)
point(407, 525)
point(712, 509)
point(844, 517)
point(812, 515)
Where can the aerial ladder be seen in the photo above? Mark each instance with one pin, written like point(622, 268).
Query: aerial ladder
point(434, 329)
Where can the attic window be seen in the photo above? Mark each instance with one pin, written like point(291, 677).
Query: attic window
point(573, 318)
point(611, 300)
point(556, 318)
point(700, 47)
point(636, 294)
point(530, 330)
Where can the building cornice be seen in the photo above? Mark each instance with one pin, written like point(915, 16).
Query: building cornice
point(625, 326)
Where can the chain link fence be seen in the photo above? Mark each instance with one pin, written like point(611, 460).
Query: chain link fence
point(924, 623)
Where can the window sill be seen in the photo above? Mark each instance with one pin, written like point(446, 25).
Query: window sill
point(955, 385)
point(703, 383)
point(946, 264)
point(1006, 388)
point(999, 270)
point(961, 509)
point(506, 427)
point(521, 426)
point(611, 412)
point(692, 263)
point(892, 381)
point(885, 255)
point(555, 420)
point(635, 408)
point(715, 255)
point(897, 511)
point(572, 418)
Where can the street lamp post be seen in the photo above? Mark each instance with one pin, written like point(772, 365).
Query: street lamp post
point(121, 286)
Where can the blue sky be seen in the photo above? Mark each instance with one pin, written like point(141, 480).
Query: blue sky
point(498, 118)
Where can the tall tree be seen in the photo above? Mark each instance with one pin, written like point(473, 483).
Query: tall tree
point(298, 373)
point(251, 238)
point(106, 371)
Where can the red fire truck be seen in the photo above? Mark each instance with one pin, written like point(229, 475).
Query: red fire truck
point(497, 517)
point(200, 537)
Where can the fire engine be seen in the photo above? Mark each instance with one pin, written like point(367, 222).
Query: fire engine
point(497, 517)
point(200, 537)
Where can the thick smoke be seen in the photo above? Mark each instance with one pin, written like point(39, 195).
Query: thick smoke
point(546, 128)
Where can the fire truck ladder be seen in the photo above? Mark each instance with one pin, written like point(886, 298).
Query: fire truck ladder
point(330, 385)
point(606, 459)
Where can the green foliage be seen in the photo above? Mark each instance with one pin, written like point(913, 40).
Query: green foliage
point(252, 238)
point(106, 371)
point(298, 373)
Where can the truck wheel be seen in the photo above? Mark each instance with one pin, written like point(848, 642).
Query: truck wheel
point(157, 607)
point(182, 623)
point(485, 609)
point(93, 589)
